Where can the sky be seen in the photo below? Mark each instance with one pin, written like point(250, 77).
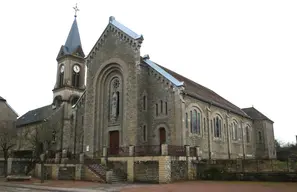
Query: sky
point(243, 50)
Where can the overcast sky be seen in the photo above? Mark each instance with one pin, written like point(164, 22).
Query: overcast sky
point(243, 50)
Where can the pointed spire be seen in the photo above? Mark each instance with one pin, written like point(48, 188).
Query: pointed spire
point(72, 45)
point(73, 39)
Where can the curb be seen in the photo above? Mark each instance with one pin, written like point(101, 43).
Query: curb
point(45, 188)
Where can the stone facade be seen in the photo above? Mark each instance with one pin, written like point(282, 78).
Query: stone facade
point(130, 100)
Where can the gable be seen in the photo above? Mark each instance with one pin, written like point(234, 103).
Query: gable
point(123, 33)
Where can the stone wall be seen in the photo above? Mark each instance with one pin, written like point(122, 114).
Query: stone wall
point(179, 170)
point(66, 173)
point(161, 94)
point(146, 171)
point(224, 146)
point(119, 168)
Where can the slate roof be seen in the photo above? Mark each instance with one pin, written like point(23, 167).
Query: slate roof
point(123, 28)
point(161, 70)
point(35, 116)
point(2, 99)
point(73, 39)
point(255, 114)
point(196, 90)
point(73, 43)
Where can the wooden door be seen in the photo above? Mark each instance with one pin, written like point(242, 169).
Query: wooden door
point(114, 142)
point(162, 133)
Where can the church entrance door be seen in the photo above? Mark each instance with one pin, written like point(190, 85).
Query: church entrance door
point(114, 142)
point(162, 134)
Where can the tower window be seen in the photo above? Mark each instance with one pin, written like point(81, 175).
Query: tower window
point(75, 79)
point(75, 76)
point(161, 103)
point(166, 108)
point(61, 76)
point(157, 112)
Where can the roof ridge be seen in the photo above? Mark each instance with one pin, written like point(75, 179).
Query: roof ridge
point(211, 98)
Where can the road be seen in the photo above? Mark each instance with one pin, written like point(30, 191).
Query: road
point(16, 189)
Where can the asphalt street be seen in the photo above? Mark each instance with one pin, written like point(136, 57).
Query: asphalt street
point(17, 189)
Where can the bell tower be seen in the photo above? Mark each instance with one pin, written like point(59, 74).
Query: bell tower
point(70, 80)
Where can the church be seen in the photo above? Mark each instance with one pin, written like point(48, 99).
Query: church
point(115, 97)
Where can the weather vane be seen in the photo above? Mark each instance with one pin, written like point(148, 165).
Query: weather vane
point(76, 10)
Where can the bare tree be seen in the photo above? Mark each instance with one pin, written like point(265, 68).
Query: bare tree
point(8, 138)
point(44, 137)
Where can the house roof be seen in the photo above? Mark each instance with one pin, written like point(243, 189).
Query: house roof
point(123, 28)
point(255, 114)
point(2, 99)
point(35, 116)
point(196, 90)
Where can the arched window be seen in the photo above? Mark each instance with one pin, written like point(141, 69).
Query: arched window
point(76, 76)
point(247, 134)
point(161, 103)
point(61, 76)
point(191, 120)
point(74, 100)
point(166, 108)
point(115, 98)
point(75, 79)
point(217, 126)
point(57, 101)
point(234, 131)
point(260, 136)
point(195, 121)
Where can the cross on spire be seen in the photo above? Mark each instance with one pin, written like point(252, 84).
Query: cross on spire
point(75, 10)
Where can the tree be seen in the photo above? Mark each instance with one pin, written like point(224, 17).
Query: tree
point(40, 139)
point(285, 150)
point(8, 138)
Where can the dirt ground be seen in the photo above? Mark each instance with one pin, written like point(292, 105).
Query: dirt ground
point(217, 187)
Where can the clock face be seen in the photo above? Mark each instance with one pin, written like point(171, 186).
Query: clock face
point(76, 68)
point(62, 69)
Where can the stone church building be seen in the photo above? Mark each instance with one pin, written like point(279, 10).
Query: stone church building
point(128, 99)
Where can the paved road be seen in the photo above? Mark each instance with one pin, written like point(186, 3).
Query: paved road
point(14, 189)
point(100, 188)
